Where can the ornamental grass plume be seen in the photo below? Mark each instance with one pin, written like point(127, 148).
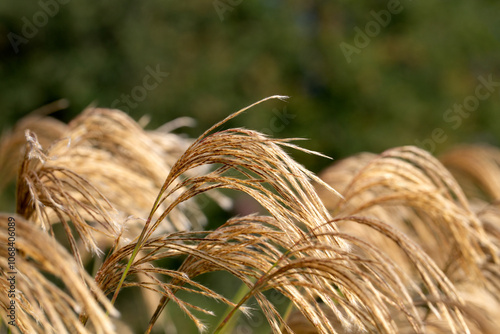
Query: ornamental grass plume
point(477, 169)
point(414, 193)
point(104, 168)
point(86, 176)
point(41, 305)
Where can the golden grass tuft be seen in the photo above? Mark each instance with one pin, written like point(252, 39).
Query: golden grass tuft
point(399, 249)
point(42, 305)
point(414, 193)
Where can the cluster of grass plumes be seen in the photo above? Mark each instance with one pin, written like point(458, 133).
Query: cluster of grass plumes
point(416, 194)
point(118, 189)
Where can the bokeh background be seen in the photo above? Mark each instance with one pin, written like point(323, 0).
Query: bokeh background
point(222, 55)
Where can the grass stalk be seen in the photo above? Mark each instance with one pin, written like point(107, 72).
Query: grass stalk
point(240, 294)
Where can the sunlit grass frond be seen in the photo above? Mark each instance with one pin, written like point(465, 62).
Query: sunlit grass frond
point(120, 158)
point(55, 304)
point(47, 193)
point(309, 260)
point(88, 172)
point(410, 189)
point(399, 249)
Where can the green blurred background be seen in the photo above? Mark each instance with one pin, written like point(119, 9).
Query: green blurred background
point(225, 54)
point(222, 55)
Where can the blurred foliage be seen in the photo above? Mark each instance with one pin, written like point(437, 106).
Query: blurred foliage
point(222, 55)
